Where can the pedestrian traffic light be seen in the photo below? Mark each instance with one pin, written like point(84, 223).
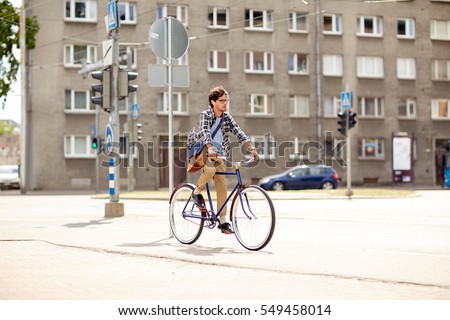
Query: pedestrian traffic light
point(125, 88)
point(94, 142)
point(104, 88)
point(137, 132)
point(351, 119)
point(342, 122)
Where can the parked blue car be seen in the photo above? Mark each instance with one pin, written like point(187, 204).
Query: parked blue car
point(302, 177)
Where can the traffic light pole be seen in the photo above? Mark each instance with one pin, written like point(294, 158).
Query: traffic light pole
point(349, 192)
point(114, 208)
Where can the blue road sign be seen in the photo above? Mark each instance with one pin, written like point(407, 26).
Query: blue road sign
point(134, 111)
point(112, 15)
point(109, 138)
point(346, 100)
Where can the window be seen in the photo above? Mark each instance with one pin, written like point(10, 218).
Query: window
point(258, 62)
point(81, 10)
point(266, 146)
point(180, 103)
point(332, 65)
point(440, 70)
point(298, 63)
point(260, 104)
point(370, 67)
point(218, 18)
point(406, 68)
point(331, 106)
point(128, 54)
point(440, 30)
point(406, 28)
point(78, 146)
point(299, 106)
point(369, 27)
point(127, 12)
point(372, 107)
point(218, 61)
point(298, 22)
point(258, 20)
point(300, 149)
point(440, 109)
point(78, 101)
point(371, 148)
point(178, 12)
point(407, 108)
point(332, 24)
point(74, 55)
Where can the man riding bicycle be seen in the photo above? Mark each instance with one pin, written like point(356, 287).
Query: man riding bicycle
point(219, 145)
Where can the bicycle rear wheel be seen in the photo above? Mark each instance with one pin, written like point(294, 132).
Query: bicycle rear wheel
point(253, 217)
point(185, 229)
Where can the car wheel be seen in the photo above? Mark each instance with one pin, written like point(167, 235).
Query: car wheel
point(278, 186)
point(327, 185)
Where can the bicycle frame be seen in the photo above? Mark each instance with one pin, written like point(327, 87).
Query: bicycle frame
point(236, 188)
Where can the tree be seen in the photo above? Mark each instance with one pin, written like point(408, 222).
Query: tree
point(10, 41)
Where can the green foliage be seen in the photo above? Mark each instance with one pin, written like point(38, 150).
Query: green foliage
point(6, 128)
point(9, 41)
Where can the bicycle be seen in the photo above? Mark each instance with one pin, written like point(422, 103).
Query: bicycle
point(252, 213)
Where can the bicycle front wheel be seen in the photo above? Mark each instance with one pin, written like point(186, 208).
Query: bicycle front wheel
point(184, 216)
point(253, 217)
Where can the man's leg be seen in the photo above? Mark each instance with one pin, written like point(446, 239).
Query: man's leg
point(221, 188)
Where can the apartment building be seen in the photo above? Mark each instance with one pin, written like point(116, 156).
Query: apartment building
point(284, 63)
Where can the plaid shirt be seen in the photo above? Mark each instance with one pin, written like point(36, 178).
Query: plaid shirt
point(207, 119)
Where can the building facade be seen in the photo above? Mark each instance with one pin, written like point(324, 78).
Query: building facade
point(284, 63)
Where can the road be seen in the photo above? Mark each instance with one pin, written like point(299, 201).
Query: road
point(61, 247)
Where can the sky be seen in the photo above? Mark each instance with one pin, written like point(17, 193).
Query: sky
point(12, 108)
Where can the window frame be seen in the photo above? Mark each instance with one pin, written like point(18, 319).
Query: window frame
point(295, 60)
point(295, 106)
point(378, 107)
point(163, 104)
point(71, 63)
point(433, 29)
point(133, 50)
point(268, 105)
point(296, 151)
point(435, 70)
point(361, 67)
point(213, 24)
point(336, 65)
point(409, 103)
point(90, 108)
point(410, 25)
point(268, 57)
point(377, 25)
point(92, 16)
point(294, 16)
point(410, 68)
point(215, 60)
point(127, 19)
point(435, 109)
point(335, 105)
point(268, 149)
point(90, 153)
point(336, 24)
point(379, 143)
point(267, 22)
point(181, 12)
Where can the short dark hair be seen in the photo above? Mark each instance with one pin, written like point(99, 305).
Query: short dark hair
point(216, 93)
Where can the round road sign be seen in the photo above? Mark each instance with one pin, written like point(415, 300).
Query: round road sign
point(109, 139)
point(159, 38)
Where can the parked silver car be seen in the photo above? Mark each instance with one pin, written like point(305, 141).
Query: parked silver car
point(9, 177)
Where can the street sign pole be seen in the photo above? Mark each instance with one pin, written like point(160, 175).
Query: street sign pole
point(114, 208)
point(349, 191)
point(169, 21)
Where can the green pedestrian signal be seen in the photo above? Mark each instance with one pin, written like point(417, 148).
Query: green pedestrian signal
point(94, 143)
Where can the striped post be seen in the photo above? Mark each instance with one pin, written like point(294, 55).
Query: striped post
point(111, 177)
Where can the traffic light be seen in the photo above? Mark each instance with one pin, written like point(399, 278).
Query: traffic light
point(137, 132)
point(124, 83)
point(94, 142)
point(351, 120)
point(104, 88)
point(342, 122)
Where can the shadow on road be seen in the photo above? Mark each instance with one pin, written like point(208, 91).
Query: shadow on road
point(86, 224)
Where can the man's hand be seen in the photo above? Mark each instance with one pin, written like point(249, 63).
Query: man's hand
point(212, 154)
